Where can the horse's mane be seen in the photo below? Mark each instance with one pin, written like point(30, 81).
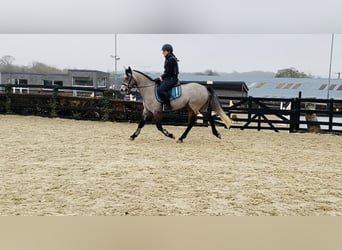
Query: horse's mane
point(143, 74)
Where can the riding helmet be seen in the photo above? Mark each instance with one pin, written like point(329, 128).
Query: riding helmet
point(167, 47)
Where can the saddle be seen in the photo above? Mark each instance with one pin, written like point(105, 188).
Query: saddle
point(174, 93)
point(170, 90)
point(177, 84)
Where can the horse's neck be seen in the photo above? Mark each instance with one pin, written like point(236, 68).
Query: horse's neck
point(145, 86)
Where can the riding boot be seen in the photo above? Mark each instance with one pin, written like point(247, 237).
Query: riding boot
point(167, 106)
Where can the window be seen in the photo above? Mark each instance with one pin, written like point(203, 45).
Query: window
point(50, 83)
point(101, 82)
point(20, 81)
point(259, 85)
point(296, 86)
point(59, 83)
point(250, 85)
point(83, 81)
point(332, 86)
point(287, 86)
point(47, 83)
point(323, 86)
point(280, 85)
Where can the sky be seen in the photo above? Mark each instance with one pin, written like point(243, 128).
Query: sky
point(309, 53)
point(220, 35)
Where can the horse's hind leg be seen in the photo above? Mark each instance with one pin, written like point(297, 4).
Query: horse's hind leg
point(141, 124)
point(191, 122)
point(212, 124)
point(158, 119)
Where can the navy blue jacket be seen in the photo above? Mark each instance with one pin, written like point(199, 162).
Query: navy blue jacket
point(170, 67)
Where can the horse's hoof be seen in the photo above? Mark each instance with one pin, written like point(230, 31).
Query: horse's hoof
point(180, 141)
point(132, 138)
point(172, 136)
point(219, 136)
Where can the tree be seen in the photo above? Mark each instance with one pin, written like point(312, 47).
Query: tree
point(291, 73)
point(39, 68)
point(6, 65)
point(208, 72)
point(6, 60)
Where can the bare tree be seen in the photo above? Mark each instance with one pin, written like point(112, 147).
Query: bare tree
point(7, 60)
point(38, 67)
point(6, 65)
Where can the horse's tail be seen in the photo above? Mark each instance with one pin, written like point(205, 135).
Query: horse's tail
point(216, 106)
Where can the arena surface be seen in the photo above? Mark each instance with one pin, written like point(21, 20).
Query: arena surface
point(68, 167)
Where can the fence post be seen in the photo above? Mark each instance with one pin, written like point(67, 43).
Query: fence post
point(292, 116)
point(298, 105)
point(331, 114)
point(250, 103)
point(259, 118)
point(54, 102)
point(311, 117)
point(295, 114)
point(8, 93)
point(106, 104)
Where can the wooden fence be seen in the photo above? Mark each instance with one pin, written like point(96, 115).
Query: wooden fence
point(75, 102)
point(290, 114)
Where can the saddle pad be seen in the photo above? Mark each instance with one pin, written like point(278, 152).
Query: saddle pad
point(174, 93)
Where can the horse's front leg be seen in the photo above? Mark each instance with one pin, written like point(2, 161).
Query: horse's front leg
point(158, 118)
point(145, 115)
point(191, 120)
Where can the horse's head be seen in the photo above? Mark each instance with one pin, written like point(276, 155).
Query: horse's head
point(129, 82)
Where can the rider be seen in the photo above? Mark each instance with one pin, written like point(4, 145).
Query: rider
point(170, 76)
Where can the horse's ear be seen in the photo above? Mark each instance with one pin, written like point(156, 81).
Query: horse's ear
point(128, 71)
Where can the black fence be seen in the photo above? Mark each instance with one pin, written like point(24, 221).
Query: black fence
point(82, 103)
point(289, 114)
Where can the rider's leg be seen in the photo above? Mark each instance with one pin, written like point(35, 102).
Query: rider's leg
point(165, 86)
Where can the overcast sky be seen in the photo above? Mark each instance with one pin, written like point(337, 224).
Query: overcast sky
point(220, 52)
point(221, 35)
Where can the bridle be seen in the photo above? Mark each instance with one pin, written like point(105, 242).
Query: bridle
point(127, 84)
point(139, 87)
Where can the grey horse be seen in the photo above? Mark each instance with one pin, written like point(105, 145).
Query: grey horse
point(195, 97)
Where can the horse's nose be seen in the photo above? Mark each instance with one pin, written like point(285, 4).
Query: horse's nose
point(123, 89)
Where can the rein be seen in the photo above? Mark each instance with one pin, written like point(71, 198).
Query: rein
point(139, 87)
point(146, 86)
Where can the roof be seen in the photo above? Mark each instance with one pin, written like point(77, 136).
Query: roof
point(224, 85)
point(290, 87)
point(87, 70)
point(27, 73)
point(69, 70)
point(217, 81)
point(270, 86)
